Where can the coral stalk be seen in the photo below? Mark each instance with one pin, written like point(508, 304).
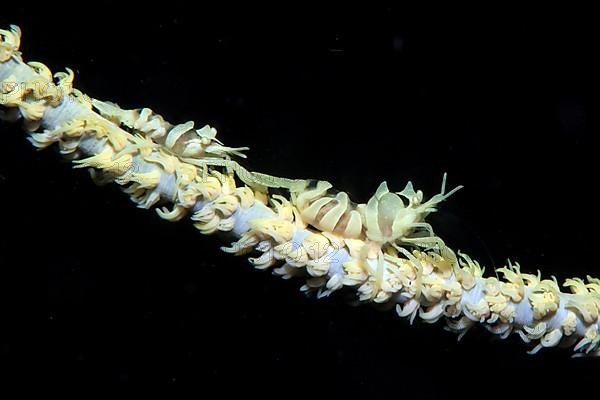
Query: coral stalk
point(384, 249)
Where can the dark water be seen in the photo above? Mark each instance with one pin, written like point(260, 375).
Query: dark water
point(95, 292)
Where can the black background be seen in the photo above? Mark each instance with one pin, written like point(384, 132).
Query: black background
point(94, 292)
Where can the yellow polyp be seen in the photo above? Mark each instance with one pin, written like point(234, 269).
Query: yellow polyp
point(175, 214)
point(468, 271)
point(124, 179)
point(114, 113)
point(576, 285)
point(209, 227)
point(100, 128)
point(187, 196)
point(460, 326)
point(317, 267)
point(378, 276)
point(315, 245)
point(334, 283)
point(392, 284)
point(569, 324)
point(279, 231)
point(242, 246)
point(366, 291)
point(226, 204)
point(593, 285)
point(265, 261)
point(544, 298)
point(355, 273)
point(497, 302)
point(503, 329)
point(514, 292)
point(493, 319)
point(537, 331)
point(453, 292)
point(532, 280)
point(226, 224)
point(548, 285)
point(224, 181)
point(492, 286)
point(297, 258)
point(115, 136)
point(401, 268)
point(41, 69)
point(146, 180)
point(582, 343)
point(68, 147)
point(543, 303)
point(479, 311)
point(71, 129)
point(432, 291)
point(10, 91)
point(65, 82)
point(245, 195)
point(120, 165)
point(38, 87)
point(209, 188)
point(311, 284)
point(516, 286)
point(587, 305)
point(204, 215)
point(354, 246)
point(411, 308)
point(185, 173)
point(33, 110)
point(466, 279)
point(284, 249)
point(9, 43)
point(508, 314)
point(135, 191)
point(99, 160)
point(382, 296)
point(43, 140)
point(283, 207)
point(418, 267)
point(137, 194)
point(591, 340)
point(433, 313)
point(80, 97)
point(436, 262)
point(167, 162)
